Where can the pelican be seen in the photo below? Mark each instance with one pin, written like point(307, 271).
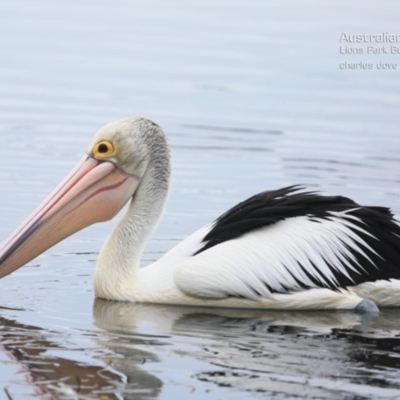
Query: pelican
point(280, 249)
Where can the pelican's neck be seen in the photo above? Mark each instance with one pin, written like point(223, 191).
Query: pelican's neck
point(119, 258)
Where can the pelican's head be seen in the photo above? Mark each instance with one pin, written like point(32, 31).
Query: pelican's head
point(98, 187)
point(131, 144)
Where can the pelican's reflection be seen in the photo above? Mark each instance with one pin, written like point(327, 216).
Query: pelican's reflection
point(128, 358)
point(44, 371)
point(51, 368)
point(121, 317)
point(293, 345)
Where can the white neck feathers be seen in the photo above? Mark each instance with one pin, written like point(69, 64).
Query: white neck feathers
point(119, 258)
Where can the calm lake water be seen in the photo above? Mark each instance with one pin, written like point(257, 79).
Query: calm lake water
point(252, 95)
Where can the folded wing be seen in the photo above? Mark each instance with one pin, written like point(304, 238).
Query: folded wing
point(287, 240)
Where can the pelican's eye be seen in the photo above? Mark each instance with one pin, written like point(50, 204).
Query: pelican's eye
point(103, 149)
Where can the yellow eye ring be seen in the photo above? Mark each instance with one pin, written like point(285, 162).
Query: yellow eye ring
point(103, 149)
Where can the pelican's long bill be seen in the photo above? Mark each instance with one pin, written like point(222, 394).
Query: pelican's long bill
point(94, 191)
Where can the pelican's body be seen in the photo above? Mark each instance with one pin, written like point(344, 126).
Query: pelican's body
point(282, 249)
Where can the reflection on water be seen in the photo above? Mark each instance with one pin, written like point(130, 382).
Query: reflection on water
point(297, 353)
point(51, 371)
point(310, 354)
point(46, 373)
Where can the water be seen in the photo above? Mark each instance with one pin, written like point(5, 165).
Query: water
point(252, 97)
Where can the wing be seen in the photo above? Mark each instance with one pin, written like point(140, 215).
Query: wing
point(286, 240)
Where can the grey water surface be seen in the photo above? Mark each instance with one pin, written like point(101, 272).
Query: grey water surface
point(252, 96)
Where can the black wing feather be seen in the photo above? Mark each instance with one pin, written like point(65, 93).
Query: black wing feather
point(382, 259)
